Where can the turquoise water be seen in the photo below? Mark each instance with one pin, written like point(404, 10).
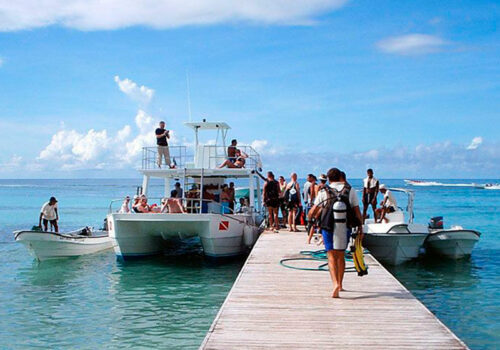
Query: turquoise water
point(169, 302)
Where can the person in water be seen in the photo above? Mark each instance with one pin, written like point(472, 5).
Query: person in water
point(388, 205)
point(238, 163)
point(370, 192)
point(49, 214)
point(335, 233)
point(271, 193)
point(292, 197)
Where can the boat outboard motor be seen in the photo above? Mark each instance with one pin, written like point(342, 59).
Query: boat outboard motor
point(436, 223)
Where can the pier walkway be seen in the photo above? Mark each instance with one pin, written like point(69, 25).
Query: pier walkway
point(271, 306)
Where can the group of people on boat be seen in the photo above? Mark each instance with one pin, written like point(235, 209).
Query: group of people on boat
point(140, 204)
point(220, 196)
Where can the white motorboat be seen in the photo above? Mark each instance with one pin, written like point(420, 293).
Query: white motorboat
point(396, 241)
point(492, 187)
point(51, 245)
point(222, 232)
point(454, 243)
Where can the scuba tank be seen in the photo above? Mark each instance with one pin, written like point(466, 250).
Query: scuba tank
point(339, 210)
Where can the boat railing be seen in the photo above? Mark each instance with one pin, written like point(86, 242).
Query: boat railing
point(178, 157)
point(212, 156)
point(206, 156)
point(191, 206)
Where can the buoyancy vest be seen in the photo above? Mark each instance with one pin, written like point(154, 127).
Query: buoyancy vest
point(337, 211)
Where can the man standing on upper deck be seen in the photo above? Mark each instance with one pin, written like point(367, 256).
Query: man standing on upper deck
point(161, 141)
point(370, 192)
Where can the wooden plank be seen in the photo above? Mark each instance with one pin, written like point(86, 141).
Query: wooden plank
point(272, 307)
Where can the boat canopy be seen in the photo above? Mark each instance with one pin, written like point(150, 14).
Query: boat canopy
point(204, 125)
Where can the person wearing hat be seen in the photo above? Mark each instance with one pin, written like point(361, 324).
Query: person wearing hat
point(388, 205)
point(137, 200)
point(49, 213)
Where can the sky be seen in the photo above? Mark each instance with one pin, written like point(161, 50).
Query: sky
point(409, 88)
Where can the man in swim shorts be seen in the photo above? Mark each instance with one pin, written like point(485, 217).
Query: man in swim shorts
point(335, 230)
point(271, 193)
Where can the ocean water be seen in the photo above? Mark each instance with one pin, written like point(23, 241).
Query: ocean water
point(170, 301)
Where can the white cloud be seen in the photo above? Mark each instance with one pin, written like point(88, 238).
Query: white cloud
point(71, 150)
point(475, 143)
point(411, 44)
point(141, 94)
point(113, 14)
point(439, 160)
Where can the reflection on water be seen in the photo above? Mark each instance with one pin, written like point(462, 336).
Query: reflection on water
point(97, 302)
point(454, 290)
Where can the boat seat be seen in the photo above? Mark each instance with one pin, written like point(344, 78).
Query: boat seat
point(397, 216)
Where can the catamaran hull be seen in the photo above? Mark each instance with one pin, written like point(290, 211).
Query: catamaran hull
point(394, 249)
point(138, 235)
point(46, 245)
point(452, 244)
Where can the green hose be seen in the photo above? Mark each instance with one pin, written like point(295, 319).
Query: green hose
point(316, 255)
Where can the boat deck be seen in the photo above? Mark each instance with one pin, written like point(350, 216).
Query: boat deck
point(271, 306)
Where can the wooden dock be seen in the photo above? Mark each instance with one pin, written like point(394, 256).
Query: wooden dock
point(271, 306)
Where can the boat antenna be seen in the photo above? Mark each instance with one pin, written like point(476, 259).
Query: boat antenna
point(188, 96)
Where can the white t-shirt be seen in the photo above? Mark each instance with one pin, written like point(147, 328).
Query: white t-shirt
point(323, 196)
point(391, 201)
point(48, 211)
point(370, 183)
point(124, 209)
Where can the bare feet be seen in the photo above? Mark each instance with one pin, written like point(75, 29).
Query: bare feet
point(336, 293)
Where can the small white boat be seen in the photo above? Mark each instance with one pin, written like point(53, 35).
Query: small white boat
point(492, 187)
point(51, 245)
point(396, 241)
point(453, 243)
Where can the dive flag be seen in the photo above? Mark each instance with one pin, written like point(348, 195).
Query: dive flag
point(223, 225)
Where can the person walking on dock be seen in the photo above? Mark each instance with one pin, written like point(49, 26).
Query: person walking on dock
point(49, 214)
point(271, 193)
point(293, 201)
point(162, 136)
point(283, 208)
point(370, 192)
point(340, 211)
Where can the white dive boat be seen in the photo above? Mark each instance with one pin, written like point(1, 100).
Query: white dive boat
point(396, 241)
point(453, 243)
point(222, 232)
point(51, 245)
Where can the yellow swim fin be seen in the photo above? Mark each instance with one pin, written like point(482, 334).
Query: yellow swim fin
point(358, 257)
